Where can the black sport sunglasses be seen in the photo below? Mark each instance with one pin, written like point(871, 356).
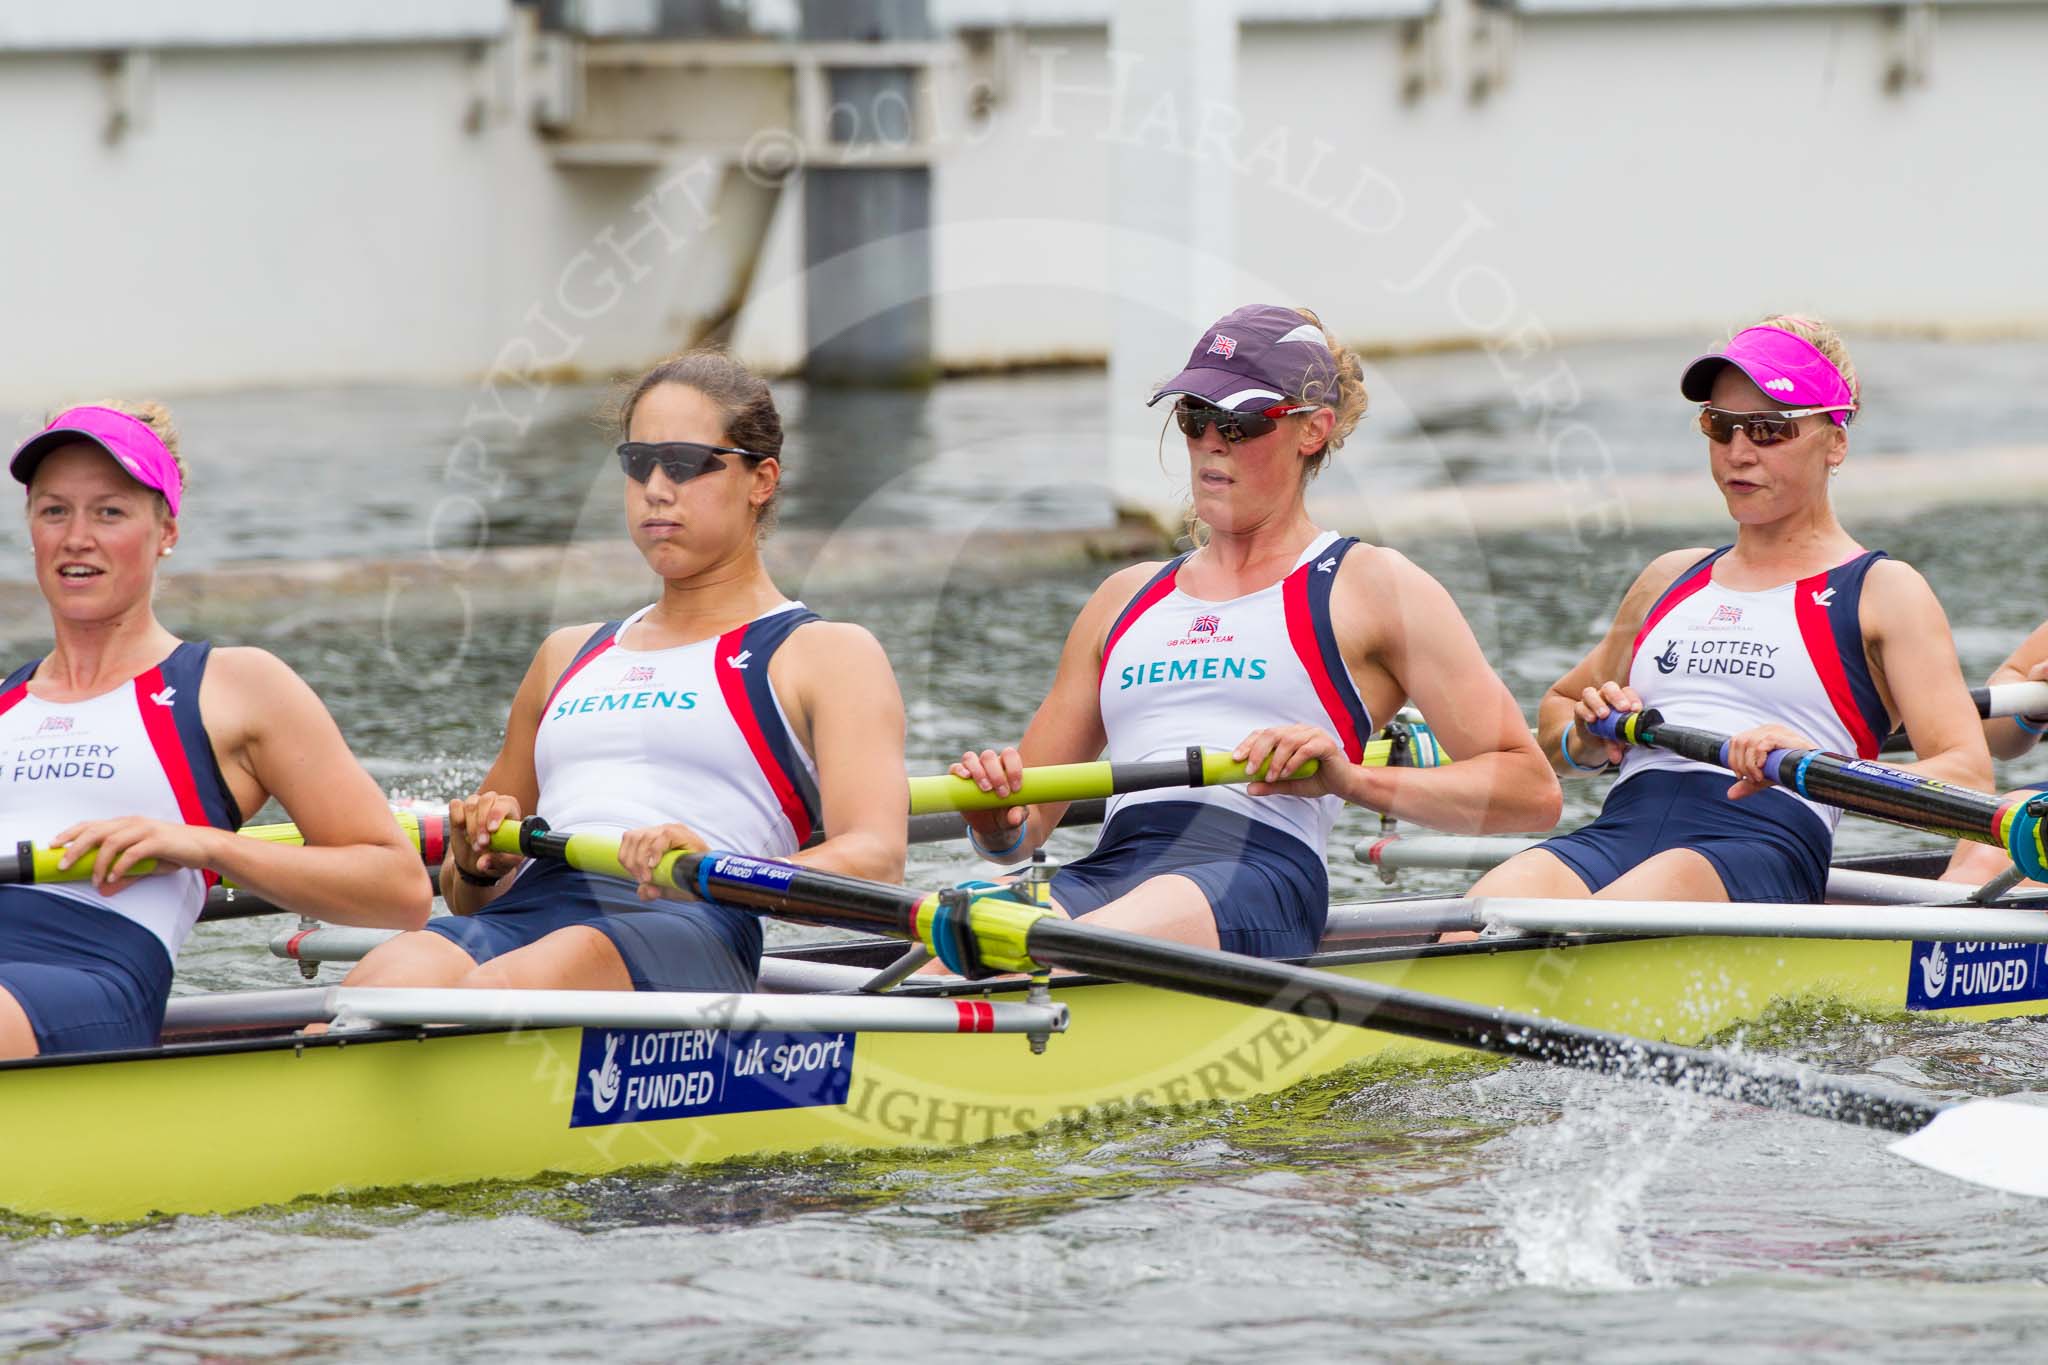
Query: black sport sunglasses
point(679, 460)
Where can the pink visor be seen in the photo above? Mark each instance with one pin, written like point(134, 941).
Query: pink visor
point(1790, 370)
point(132, 444)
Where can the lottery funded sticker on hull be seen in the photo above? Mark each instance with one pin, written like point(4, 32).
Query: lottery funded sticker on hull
point(1951, 975)
point(641, 1075)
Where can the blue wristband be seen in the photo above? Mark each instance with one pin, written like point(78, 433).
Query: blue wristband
point(1564, 746)
point(1015, 844)
point(2035, 730)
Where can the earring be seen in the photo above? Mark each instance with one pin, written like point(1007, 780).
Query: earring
point(165, 552)
point(1834, 471)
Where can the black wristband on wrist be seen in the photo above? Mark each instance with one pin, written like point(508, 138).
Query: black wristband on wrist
point(475, 878)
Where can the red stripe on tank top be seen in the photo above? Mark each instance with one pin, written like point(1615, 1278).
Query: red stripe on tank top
point(1301, 633)
point(1818, 634)
point(733, 687)
point(1146, 601)
point(152, 701)
point(576, 666)
point(1701, 577)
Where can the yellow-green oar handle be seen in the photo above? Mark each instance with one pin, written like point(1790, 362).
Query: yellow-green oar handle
point(1088, 781)
point(597, 853)
point(34, 864)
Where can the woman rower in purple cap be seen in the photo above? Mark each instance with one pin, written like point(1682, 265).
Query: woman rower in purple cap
point(128, 742)
point(1275, 639)
point(1794, 636)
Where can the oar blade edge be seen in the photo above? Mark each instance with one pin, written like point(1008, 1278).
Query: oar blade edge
point(1999, 1144)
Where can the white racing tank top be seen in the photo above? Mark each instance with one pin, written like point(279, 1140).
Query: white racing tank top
point(1178, 670)
point(693, 733)
point(1717, 659)
point(140, 749)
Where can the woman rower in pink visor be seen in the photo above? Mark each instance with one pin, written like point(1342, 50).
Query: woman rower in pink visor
point(129, 743)
point(1794, 636)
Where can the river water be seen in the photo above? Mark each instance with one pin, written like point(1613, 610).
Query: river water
point(1469, 1211)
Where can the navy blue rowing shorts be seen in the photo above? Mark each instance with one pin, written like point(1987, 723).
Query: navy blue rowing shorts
point(1766, 847)
point(89, 980)
point(666, 945)
point(1269, 891)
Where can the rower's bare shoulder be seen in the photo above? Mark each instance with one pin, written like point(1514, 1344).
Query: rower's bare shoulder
point(249, 693)
point(1895, 593)
point(1894, 577)
point(836, 644)
point(245, 663)
point(1121, 586)
point(1660, 573)
point(559, 648)
point(1373, 575)
point(1370, 565)
point(247, 673)
point(1113, 593)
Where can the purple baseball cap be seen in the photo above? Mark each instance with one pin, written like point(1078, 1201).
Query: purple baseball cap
point(130, 442)
point(1791, 369)
point(1257, 356)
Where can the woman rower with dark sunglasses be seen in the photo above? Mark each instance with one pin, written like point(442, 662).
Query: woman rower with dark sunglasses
point(1279, 641)
point(721, 716)
point(1794, 636)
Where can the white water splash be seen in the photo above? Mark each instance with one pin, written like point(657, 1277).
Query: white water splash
point(1572, 1199)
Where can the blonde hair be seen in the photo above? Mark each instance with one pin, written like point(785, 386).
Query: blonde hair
point(157, 418)
point(1348, 402)
point(1823, 338)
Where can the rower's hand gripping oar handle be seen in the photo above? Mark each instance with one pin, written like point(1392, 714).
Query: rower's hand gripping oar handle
point(2018, 824)
point(1062, 782)
point(32, 864)
point(1646, 728)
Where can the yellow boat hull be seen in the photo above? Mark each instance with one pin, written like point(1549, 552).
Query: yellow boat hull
point(227, 1126)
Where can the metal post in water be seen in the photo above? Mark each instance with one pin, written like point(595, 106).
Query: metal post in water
point(869, 317)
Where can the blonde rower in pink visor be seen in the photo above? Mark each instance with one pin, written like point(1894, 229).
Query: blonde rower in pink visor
point(129, 743)
point(1794, 636)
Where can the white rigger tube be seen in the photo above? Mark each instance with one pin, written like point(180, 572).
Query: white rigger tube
point(749, 1013)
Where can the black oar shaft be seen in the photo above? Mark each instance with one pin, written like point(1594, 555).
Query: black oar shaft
point(1011, 936)
point(1873, 789)
point(1860, 785)
point(802, 893)
point(1330, 998)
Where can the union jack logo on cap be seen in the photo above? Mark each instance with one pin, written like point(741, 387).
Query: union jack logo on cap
point(1222, 345)
point(1205, 625)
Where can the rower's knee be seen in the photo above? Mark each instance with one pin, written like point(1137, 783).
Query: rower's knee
point(1169, 906)
point(17, 1035)
point(412, 959)
point(1534, 872)
point(577, 958)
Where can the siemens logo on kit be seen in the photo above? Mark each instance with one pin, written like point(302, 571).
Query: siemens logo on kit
point(1211, 669)
point(627, 701)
